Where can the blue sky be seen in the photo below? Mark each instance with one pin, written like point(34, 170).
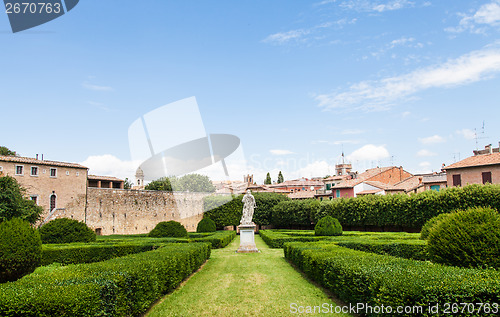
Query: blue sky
point(390, 82)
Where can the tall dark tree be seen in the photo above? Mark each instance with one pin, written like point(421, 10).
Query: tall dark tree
point(280, 178)
point(268, 180)
point(5, 151)
point(13, 204)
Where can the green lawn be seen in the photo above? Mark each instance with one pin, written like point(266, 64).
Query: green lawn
point(233, 284)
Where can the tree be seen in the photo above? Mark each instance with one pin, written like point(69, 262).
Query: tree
point(193, 183)
point(14, 205)
point(162, 183)
point(268, 180)
point(127, 184)
point(280, 178)
point(5, 151)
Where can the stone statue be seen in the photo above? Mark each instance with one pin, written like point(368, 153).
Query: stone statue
point(248, 208)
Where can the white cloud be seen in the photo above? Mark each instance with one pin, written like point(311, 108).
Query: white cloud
point(393, 5)
point(109, 165)
point(467, 134)
point(314, 169)
point(381, 94)
point(425, 152)
point(89, 86)
point(424, 167)
point(284, 37)
point(432, 139)
point(487, 14)
point(352, 131)
point(365, 5)
point(369, 152)
point(281, 152)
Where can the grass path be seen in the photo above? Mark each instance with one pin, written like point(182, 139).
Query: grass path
point(233, 284)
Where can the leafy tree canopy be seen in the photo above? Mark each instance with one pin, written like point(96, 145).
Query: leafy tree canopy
point(5, 151)
point(268, 180)
point(190, 182)
point(162, 183)
point(14, 205)
point(127, 184)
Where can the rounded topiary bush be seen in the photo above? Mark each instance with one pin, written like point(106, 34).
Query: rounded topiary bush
point(20, 249)
point(328, 226)
point(206, 225)
point(64, 230)
point(424, 232)
point(469, 238)
point(168, 229)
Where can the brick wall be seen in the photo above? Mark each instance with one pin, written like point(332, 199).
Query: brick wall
point(473, 175)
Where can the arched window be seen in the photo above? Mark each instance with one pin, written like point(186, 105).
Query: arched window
point(52, 202)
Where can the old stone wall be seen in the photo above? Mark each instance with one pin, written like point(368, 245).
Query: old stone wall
point(122, 211)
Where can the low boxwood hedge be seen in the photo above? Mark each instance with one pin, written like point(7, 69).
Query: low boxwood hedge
point(376, 280)
point(125, 286)
point(219, 239)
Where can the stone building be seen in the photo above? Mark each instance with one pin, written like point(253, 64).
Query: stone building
point(53, 185)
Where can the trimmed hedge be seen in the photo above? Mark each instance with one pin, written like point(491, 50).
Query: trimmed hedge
point(20, 249)
point(125, 286)
point(424, 233)
point(219, 240)
point(328, 226)
point(407, 250)
point(277, 238)
point(225, 211)
point(294, 213)
point(206, 225)
point(469, 238)
point(168, 229)
point(64, 230)
point(376, 280)
point(405, 211)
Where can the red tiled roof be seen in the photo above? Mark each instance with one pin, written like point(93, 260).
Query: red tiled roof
point(369, 192)
point(29, 160)
point(407, 184)
point(477, 160)
point(302, 195)
point(366, 175)
point(105, 178)
point(298, 183)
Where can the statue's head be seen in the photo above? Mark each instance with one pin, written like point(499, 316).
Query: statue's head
point(248, 191)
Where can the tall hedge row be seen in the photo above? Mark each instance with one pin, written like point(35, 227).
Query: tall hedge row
point(227, 212)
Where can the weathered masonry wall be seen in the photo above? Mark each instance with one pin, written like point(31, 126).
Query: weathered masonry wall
point(121, 211)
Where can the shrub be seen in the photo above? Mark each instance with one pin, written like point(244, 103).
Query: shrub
point(206, 225)
point(424, 233)
point(168, 229)
point(20, 249)
point(287, 214)
point(64, 230)
point(13, 204)
point(469, 238)
point(328, 226)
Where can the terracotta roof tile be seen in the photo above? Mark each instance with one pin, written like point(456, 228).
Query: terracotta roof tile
point(105, 178)
point(477, 160)
point(407, 184)
point(29, 160)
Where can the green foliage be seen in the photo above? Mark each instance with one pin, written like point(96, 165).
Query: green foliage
point(20, 249)
point(405, 211)
point(380, 280)
point(127, 184)
point(328, 226)
point(424, 233)
point(125, 286)
point(162, 183)
point(5, 151)
point(281, 179)
point(277, 238)
point(268, 180)
point(220, 239)
point(294, 213)
point(64, 230)
point(206, 225)
point(13, 204)
point(168, 229)
point(405, 249)
point(193, 183)
point(469, 238)
point(226, 211)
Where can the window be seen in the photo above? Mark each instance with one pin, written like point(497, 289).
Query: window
point(19, 170)
point(486, 177)
point(53, 172)
point(34, 198)
point(67, 173)
point(338, 193)
point(457, 180)
point(435, 187)
point(1, 168)
point(34, 171)
point(328, 186)
point(52, 202)
point(77, 173)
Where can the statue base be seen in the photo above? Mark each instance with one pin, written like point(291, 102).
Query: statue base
point(247, 239)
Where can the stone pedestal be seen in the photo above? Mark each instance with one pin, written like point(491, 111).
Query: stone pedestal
point(247, 239)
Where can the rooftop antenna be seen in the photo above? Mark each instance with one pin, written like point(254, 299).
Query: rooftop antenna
point(476, 137)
